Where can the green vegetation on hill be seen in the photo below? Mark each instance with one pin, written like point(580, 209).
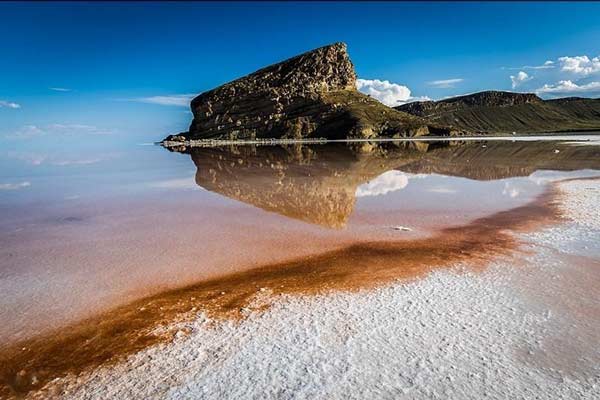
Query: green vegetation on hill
point(366, 117)
point(505, 112)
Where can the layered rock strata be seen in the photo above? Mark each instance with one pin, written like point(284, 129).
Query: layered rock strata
point(312, 95)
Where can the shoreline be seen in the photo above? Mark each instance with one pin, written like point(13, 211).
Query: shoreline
point(172, 144)
point(458, 331)
point(109, 337)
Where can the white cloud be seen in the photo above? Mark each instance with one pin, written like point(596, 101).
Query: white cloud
point(180, 100)
point(520, 78)
point(9, 104)
point(569, 87)
point(14, 186)
point(546, 65)
point(580, 65)
point(420, 98)
point(390, 94)
point(29, 131)
point(387, 182)
point(568, 74)
point(60, 89)
point(445, 83)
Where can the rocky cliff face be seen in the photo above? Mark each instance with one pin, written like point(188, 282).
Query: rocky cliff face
point(312, 95)
point(506, 112)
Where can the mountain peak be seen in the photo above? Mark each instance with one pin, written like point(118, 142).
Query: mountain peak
point(311, 95)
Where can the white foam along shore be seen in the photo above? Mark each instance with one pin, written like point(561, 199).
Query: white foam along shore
point(584, 138)
point(502, 333)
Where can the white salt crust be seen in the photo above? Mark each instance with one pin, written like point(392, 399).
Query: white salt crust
point(498, 334)
point(582, 202)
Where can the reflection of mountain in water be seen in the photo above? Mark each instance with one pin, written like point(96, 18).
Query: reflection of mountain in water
point(318, 184)
point(315, 184)
point(504, 159)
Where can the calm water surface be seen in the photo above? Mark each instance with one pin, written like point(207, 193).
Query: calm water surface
point(81, 235)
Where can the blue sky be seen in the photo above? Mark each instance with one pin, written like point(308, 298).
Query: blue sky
point(108, 72)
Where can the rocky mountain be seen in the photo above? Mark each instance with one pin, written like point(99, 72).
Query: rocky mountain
point(495, 112)
point(312, 95)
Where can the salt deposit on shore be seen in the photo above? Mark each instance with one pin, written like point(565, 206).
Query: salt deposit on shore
point(524, 328)
point(581, 201)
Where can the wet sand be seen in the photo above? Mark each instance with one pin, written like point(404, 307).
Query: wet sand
point(111, 336)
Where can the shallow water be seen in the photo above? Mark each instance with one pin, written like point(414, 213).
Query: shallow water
point(80, 240)
point(84, 236)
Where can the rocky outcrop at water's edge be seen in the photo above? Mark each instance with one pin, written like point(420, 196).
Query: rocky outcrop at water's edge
point(312, 95)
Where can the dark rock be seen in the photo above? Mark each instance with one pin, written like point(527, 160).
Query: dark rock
point(176, 138)
point(312, 95)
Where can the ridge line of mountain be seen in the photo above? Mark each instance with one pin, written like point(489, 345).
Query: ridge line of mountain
point(501, 112)
point(313, 96)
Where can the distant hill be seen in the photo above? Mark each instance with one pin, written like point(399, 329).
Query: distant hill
point(498, 112)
